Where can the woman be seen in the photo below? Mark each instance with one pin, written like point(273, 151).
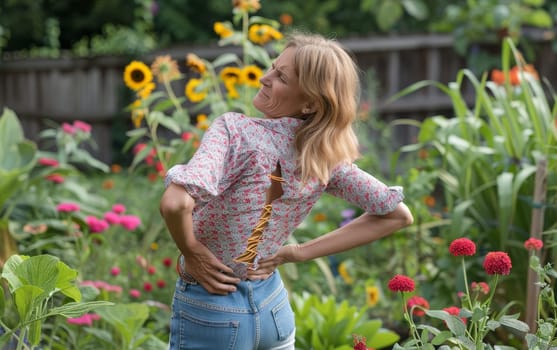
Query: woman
point(231, 208)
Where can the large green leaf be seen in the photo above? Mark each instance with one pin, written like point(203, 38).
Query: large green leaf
point(17, 155)
point(127, 319)
point(40, 271)
point(26, 298)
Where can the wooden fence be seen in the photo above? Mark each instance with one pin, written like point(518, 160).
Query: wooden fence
point(92, 89)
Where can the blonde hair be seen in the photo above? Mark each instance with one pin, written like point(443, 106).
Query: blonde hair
point(329, 78)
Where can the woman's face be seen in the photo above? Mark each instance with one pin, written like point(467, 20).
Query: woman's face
point(280, 95)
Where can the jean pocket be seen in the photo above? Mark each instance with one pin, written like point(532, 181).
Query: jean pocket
point(197, 333)
point(284, 319)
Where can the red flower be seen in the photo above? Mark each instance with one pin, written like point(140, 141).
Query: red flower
point(462, 247)
point(453, 310)
point(147, 286)
point(161, 283)
point(481, 287)
point(48, 162)
point(401, 283)
point(360, 342)
point(56, 178)
point(497, 263)
point(533, 244)
point(417, 301)
point(151, 270)
point(167, 262)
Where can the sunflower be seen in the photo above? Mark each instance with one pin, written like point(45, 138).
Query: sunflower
point(230, 74)
point(223, 29)
point(263, 33)
point(372, 295)
point(230, 86)
point(250, 76)
point(202, 122)
point(192, 90)
point(165, 68)
point(136, 75)
point(344, 273)
point(146, 90)
point(194, 62)
point(246, 5)
point(138, 113)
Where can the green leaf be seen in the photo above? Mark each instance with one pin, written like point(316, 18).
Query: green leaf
point(382, 338)
point(538, 18)
point(34, 333)
point(66, 281)
point(368, 5)
point(26, 298)
point(127, 319)
point(416, 8)
point(514, 324)
point(74, 309)
point(9, 271)
point(225, 59)
point(170, 124)
point(2, 300)
point(388, 14)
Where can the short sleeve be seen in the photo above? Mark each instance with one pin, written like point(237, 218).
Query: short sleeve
point(363, 190)
point(205, 174)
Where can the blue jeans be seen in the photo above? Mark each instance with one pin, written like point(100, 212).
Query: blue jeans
point(257, 316)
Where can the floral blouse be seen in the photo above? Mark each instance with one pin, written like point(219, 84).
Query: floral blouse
point(229, 175)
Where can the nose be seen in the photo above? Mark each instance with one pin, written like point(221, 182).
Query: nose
point(264, 80)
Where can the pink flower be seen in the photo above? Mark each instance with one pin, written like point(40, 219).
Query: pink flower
point(67, 207)
point(48, 162)
point(112, 218)
point(115, 271)
point(68, 129)
point(417, 301)
point(497, 263)
point(147, 286)
point(96, 225)
point(462, 247)
point(119, 208)
point(533, 244)
point(401, 283)
point(151, 270)
point(186, 136)
point(134, 293)
point(56, 178)
point(83, 126)
point(85, 320)
point(480, 287)
point(102, 285)
point(130, 222)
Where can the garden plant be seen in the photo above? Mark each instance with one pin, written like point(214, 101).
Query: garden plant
point(468, 179)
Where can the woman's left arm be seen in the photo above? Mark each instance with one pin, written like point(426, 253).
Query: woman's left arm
point(360, 231)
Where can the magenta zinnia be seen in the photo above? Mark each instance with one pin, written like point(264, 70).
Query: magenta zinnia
point(497, 263)
point(401, 283)
point(462, 247)
point(533, 244)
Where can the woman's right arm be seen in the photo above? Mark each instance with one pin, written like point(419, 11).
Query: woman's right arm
point(176, 208)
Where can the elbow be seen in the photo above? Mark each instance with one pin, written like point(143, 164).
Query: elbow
point(175, 201)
